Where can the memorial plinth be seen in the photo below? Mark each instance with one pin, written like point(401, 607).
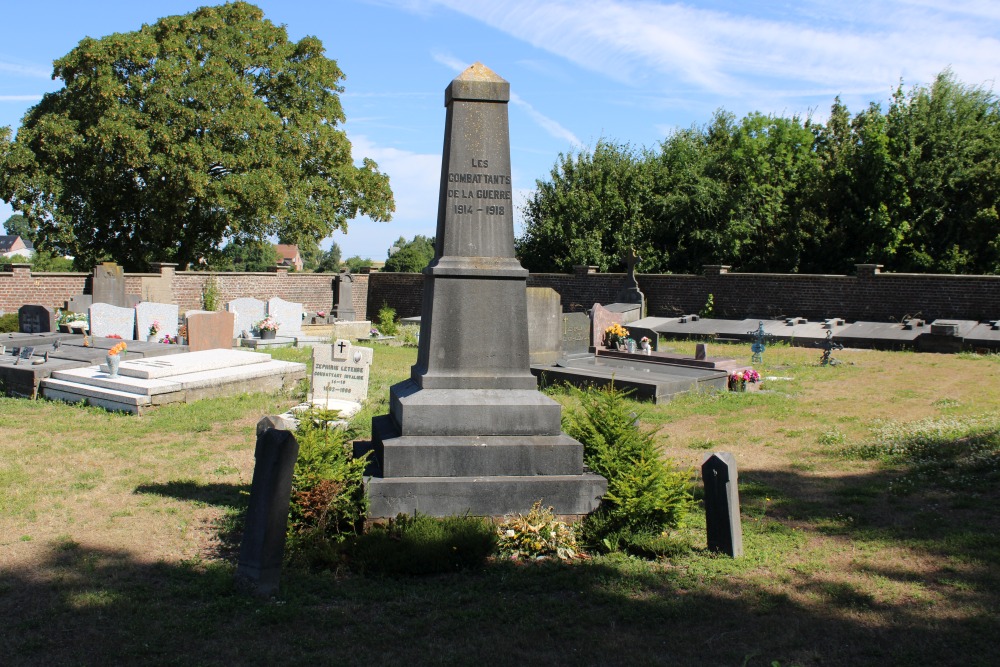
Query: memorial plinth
point(469, 432)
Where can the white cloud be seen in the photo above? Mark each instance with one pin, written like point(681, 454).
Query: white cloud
point(20, 98)
point(814, 44)
point(546, 123)
point(33, 71)
point(450, 61)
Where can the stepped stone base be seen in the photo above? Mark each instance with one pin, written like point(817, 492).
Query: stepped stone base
point(483, 496)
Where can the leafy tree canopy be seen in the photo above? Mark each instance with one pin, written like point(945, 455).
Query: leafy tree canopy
point(329, 261)
point(249, 255)
point(915, 187)
point(356, 263)
point(410, 256)
point(199, 129)
point(18, 225)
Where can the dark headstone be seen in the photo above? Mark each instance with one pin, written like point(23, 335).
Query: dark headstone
point(263, 545)
point(343, 307)
point(722, 504)
point(36, 319)
point(109, 285)
point(469, 432)
point(700, 352)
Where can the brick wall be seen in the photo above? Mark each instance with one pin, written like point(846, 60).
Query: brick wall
point(869, 295)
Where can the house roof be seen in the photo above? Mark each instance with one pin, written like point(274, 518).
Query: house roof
point(7, 242)
point(286, 251)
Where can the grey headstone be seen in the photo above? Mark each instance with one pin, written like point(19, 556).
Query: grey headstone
point(341, 371)
point(700, 352)
point(576, 333)
point(544, 325)
point(109, 285)
point(80, 303)
point(109, 320)
point(288, 315)
point(722, 504)
point(36, 319)
point(343, 308)
point(263, 545)
point(248, 313)
point(165, 314)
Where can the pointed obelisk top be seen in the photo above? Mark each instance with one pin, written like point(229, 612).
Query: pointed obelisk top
point(478, 83)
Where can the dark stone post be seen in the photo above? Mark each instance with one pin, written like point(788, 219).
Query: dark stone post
point(263, 545)
point(343, 309)
point(722, 504)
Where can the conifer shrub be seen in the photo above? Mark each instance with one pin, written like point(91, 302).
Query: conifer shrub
point(9, 323)
point(647, 495)
point(387, 323)
point(328, 502)
point(421, 544)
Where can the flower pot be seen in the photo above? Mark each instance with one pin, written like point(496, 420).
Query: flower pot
point(268, 334)
point(113, 361)
point(151, 338)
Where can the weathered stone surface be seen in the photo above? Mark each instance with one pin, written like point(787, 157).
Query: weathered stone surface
point(209, 331)
point(109, 285)
point(343, 307)
point(341, 371)
point(80, 303)
point(544, 325)
point(164, 314)
point(576, 333)
point(36, 319)
point(288, 315)
point(108, 320)
point(248, 312)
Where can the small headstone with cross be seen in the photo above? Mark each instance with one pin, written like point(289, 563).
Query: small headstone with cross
point(340, 374)
point(829, 346)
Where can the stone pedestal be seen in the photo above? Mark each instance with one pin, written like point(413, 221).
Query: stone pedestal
point(469, 432)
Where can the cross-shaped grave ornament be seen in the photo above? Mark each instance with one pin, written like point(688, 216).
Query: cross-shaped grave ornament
point(828, 347)
point(631, 259)
point(760, 340)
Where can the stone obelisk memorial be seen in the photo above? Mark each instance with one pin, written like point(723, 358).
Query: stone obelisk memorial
point(469, 432)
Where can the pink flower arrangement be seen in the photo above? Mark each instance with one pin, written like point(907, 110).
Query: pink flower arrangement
point(738, 380)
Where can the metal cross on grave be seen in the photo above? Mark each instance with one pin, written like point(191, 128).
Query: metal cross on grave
point(828, 347)
point(341, 345)
point(631, 259)
point(760, 340)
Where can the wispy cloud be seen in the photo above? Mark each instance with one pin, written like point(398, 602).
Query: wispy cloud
point(546, 123)
point(20, 98)
point(450, 61)
point(817, 44)
point(32, 71)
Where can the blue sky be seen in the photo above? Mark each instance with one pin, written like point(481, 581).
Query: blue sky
point(580, 70)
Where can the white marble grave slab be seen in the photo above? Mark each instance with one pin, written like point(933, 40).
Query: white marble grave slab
point(190, 362)
point(341, 372)
point(248, 313)
point(148, 312)
point(107, 320)
point(288, 315)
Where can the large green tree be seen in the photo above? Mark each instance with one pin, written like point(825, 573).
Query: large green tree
point(592, 211)
point(199, 129)
point(410, 256)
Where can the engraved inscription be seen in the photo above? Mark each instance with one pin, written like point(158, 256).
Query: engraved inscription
point(499, 193)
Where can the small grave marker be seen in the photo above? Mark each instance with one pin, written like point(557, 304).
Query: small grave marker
point(722, 504)
point(263, 545)
point(36, 319)
point(829, 346)
point(341, 372)
point(760, 340)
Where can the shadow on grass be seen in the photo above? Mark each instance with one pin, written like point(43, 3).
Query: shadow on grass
point(82, 605)
point(219, 495)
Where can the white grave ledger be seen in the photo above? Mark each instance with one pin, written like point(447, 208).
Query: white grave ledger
point(340, 376)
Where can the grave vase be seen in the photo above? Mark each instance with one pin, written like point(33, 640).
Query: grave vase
point(645, 347)
point(630, 346)
point(267, 334)
point(113, 361)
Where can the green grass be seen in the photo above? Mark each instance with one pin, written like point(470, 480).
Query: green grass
point(868, 510)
